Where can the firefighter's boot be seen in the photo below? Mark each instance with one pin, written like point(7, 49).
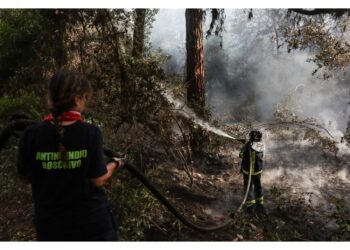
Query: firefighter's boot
point(249, 210)
point(260, 210)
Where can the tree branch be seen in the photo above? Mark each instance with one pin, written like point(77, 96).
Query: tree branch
point(335, 12)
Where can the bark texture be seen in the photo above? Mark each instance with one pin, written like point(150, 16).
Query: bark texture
point(195, 57)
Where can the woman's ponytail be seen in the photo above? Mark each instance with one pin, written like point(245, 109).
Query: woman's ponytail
point(64, 87)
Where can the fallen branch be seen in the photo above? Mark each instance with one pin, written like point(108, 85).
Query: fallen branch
point(297, 123)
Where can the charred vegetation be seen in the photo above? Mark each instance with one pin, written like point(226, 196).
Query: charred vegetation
point(184, 131)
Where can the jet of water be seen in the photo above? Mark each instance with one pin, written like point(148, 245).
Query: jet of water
point(188, 113)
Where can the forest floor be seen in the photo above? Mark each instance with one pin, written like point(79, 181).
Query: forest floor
point(305, 189)
point(306, 196)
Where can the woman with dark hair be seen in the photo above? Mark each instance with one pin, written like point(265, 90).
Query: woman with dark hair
point(62, 158)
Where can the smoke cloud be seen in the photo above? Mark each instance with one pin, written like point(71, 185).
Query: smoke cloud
point(249, 78)
point(169, 35)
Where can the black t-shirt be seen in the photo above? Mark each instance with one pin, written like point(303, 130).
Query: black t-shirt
point(63, 190)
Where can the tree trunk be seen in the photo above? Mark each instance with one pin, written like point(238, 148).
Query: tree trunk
point(119, 50)
point(139, 33)
point(195, 57)
point(347, 133)
point(58, 21)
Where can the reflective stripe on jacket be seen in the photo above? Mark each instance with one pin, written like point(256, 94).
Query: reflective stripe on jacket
point(255, 157)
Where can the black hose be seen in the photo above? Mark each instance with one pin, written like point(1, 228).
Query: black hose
point(145, 181)
point(249, 180)
point(133, 170)
point(21, 124)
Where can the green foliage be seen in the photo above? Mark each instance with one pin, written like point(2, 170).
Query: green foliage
point(342, 218)
point(332, 51)
point(22, 36)
point(133, 113)
point(27, 103)
point(150, 18)
point(146, 91)
point(137, 209)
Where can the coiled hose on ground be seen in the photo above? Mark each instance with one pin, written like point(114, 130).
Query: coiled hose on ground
point(21, 124)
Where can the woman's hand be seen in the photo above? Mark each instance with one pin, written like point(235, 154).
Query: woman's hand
point(112, 165)
point(120, 162)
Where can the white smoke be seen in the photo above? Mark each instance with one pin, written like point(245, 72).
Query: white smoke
point(248, 73)
point(169, 35)
point(248, 45)
point(304, 167)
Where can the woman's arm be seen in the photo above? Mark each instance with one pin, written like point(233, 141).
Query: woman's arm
point(99, 181)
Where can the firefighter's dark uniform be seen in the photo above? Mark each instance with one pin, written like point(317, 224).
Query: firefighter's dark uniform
point(253, 152)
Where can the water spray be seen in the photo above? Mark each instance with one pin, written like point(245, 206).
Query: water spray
point(188, 113)
point(185, 111)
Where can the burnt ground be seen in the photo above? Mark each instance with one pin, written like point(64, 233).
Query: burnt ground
point(306, 193)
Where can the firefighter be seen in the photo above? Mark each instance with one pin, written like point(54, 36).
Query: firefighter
point(252, 153)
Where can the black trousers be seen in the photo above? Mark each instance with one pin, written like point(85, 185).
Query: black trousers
point(255, 195)
point(100, 228)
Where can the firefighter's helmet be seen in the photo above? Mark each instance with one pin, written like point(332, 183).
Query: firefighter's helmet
point(255, 135)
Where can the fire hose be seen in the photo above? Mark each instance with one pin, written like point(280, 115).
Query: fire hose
point(21, 124)
point(249, 181)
